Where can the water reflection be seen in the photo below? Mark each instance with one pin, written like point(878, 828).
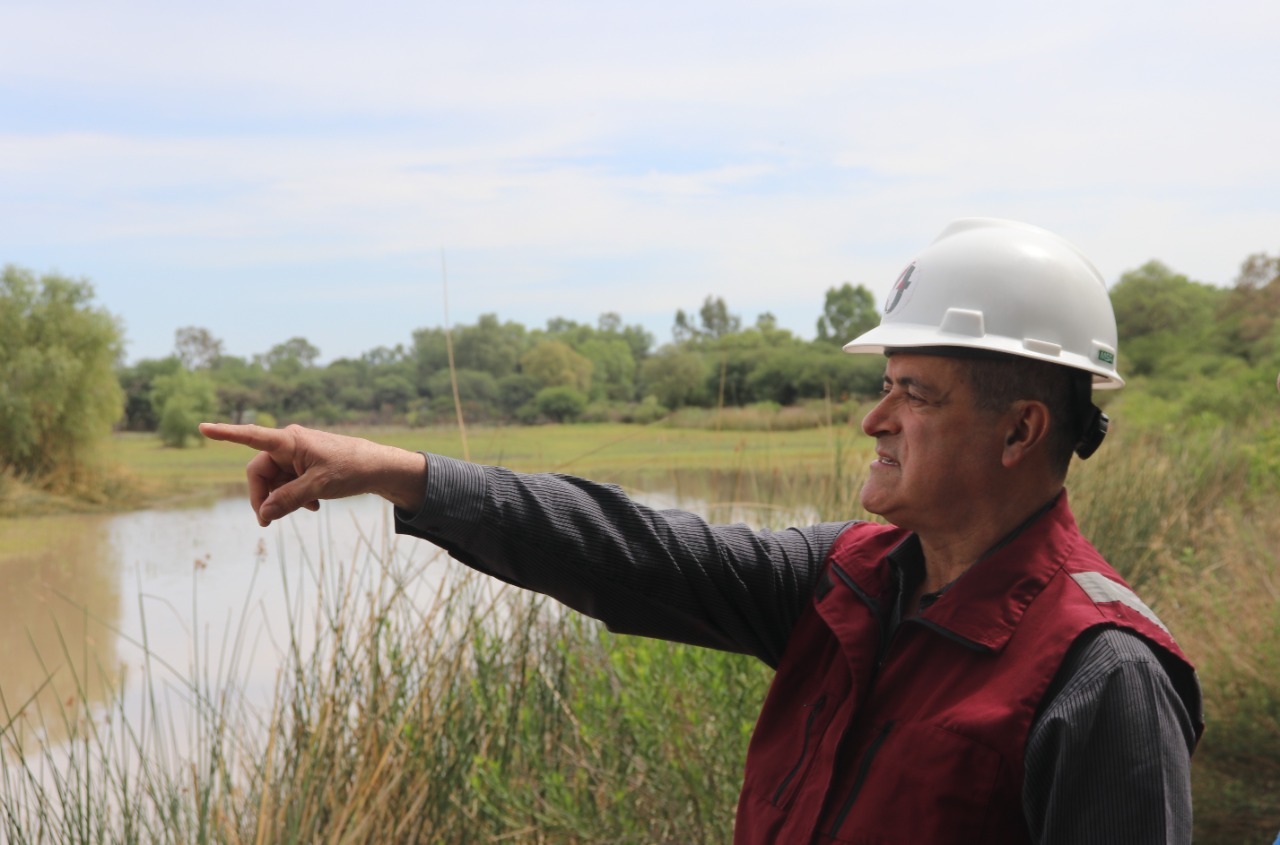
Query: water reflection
point(58, 609)
point(770, 498)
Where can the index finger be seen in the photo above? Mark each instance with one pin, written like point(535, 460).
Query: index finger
point(254, 436)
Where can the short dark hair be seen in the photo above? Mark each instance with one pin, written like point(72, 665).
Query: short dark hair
point(998, 382)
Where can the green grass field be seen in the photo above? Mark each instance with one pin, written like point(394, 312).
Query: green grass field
point(583, 449)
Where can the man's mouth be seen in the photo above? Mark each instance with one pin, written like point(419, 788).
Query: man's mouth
point(886, 460)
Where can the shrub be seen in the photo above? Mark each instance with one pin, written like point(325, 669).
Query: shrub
point(183, 400)
point(561, 404)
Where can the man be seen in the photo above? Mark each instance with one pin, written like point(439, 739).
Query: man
point(971, 672)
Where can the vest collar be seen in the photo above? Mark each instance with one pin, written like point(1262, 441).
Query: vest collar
point(985, 604)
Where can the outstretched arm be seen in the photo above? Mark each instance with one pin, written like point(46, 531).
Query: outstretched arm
point(666, 574)
point(296, 467)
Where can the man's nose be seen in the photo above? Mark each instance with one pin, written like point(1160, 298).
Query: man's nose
point(879, 420)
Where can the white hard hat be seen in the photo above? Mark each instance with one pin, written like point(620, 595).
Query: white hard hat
point(1002, 286)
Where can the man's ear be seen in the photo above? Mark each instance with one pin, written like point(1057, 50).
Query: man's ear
point(1027, 429)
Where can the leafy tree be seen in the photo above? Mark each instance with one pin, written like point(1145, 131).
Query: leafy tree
point(566, 331)
point(610, 322)
point(289, 358)
point(676, 377)
point(812, 371)
point(683, 330)
point(393, 392)
point(297, 395)
point(429, 355)
point(196, 348)
point(716, 319)
point(356, 399)
point(477, 390)
point(732, 358)
point(350, 382)
point(292, 386)
point(1161, 315)
point(1154, 299)
point(1250, 315)
point(786, 376)
point(239, 386)
point(570, 331)
point(555, 364)
point(515, 391)
point(613, 369)
point(58, 392)
point(489, 346)
point(847, 312)
point(637, 339)
point(137, 382)
point(385, 358)
point(614, 350)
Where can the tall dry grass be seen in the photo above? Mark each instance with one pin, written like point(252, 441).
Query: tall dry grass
point(1190, 517)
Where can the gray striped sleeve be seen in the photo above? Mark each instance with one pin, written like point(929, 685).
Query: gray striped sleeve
point(657, 573)
point(1109, 758)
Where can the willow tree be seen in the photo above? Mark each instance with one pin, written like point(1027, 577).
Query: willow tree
point(59, 395)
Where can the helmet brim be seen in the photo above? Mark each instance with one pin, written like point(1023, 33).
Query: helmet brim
point(883, 340)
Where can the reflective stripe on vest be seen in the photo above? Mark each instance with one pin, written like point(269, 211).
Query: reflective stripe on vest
point(1102, 589)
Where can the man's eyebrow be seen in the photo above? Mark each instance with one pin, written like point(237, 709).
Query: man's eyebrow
point(906, 381)
point(923, 387)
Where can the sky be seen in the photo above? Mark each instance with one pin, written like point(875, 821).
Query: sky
point(269, 170)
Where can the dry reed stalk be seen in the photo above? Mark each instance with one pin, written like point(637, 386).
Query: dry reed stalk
point(453, 371)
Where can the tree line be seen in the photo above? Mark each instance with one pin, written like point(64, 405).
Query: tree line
point(506, 372)
point(1190, 351)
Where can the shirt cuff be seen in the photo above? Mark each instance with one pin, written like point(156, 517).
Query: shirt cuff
point(453, 504)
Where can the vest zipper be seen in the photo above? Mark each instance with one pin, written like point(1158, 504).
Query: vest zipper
point(814, 710)
point(863, 768)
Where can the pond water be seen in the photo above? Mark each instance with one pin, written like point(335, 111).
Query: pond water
point(91, 601)
point(88, 600)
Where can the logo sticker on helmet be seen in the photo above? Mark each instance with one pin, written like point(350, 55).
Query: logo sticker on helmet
point(1106, 357)
point(899, 289)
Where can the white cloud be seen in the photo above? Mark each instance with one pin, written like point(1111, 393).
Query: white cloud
point(589, 157)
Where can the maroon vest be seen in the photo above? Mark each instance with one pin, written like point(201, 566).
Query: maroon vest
point(921, 739)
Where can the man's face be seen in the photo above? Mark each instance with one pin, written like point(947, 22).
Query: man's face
point(936, 454)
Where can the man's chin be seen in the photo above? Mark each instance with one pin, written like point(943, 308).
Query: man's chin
point(871, 504)
point(881, 508)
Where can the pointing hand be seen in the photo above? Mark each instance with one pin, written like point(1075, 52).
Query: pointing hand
point(296, 467)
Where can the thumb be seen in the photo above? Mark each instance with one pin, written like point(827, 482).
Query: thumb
point(286, 499)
